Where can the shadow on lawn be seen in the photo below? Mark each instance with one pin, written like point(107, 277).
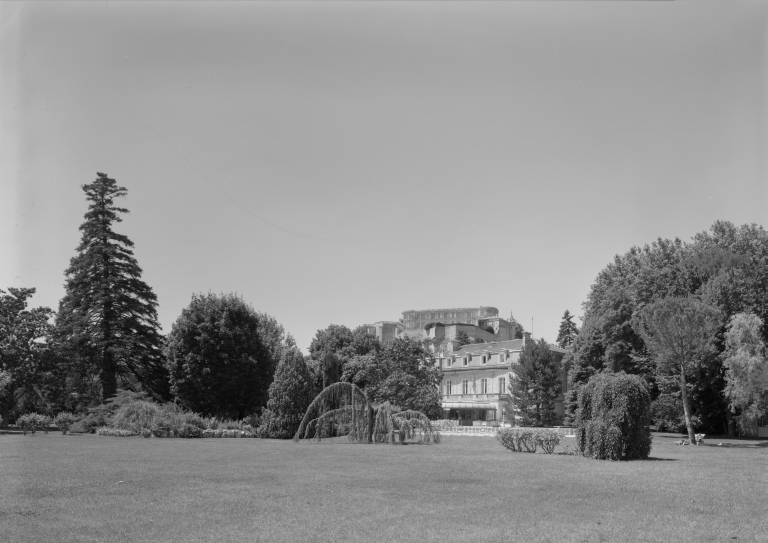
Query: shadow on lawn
point(654, 459)
point(738, 445)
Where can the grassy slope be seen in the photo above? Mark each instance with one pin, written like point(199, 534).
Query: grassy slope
point(65, 488)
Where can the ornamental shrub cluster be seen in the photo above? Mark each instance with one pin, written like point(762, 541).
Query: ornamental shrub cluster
point(32, 422)
point(118, 432)
point(148, 419)
point(530, 439)
point(613, 418)
point(64, 421)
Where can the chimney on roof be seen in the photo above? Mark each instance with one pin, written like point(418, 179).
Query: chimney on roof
point(526, 338)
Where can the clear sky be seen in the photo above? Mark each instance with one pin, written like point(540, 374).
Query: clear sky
point(343, 162)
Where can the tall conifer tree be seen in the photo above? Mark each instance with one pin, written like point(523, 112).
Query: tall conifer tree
point(290, 394)
point(535, 384)
point(107, 320)
point(568, 330)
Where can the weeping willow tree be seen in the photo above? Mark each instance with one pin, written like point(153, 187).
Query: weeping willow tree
point(361, 420)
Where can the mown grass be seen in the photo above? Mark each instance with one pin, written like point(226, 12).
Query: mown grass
point(468, 489)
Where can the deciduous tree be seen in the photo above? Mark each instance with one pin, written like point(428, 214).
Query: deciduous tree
point(217, 361)
point(365, 420)
point(726, 267)
point(747, 369)
point(27, 360)
point(402, 373)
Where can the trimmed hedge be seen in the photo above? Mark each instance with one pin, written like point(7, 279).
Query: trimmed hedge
point(613, 418)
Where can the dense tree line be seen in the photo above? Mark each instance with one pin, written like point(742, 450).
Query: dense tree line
point(219, 358)
point(725, 268)
point(223, 358)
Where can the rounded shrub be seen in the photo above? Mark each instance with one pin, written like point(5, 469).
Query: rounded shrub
point(613, 418)
point(135, 416)
point(64, 420)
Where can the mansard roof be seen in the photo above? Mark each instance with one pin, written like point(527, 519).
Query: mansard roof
point(496, 346)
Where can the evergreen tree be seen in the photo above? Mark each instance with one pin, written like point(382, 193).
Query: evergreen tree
point(535, 384)
point(463, 338)
point(107, 320)
point(568, 330)
point(290, 394)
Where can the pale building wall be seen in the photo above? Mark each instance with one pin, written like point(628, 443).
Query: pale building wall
point(414, 319)
point(491, 362)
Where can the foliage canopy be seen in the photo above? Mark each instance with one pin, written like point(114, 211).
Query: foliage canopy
point(27, 357)
point(747, 369)
point(568, 330)
point(290, 394)
point(679, 333)
point(613, 418)
point(217, 360)
point(363, 420)
point(726, 267)
point(402, 373)
point(535, 384)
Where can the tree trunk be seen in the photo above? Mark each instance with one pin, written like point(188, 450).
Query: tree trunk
point(5, 416)
point(108, 376)
point(370, 425)
point(731, 425)
point(687, 407)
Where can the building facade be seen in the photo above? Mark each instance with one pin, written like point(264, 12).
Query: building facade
point(417, 319)
point(444, 337)
point(384, 330)
point(476, 377)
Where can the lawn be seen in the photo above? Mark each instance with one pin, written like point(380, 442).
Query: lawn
point(92, 488)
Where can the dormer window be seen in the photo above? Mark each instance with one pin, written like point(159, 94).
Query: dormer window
point(465, 361)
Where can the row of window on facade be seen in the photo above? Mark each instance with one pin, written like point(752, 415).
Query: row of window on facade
point(472, 414)
point(485, 387)
point(465, 360)
point(427, 316)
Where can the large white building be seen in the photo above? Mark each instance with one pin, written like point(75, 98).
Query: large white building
point(475, 380)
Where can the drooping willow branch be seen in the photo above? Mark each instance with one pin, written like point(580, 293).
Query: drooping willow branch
point(339, 416)
point(363, 420)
